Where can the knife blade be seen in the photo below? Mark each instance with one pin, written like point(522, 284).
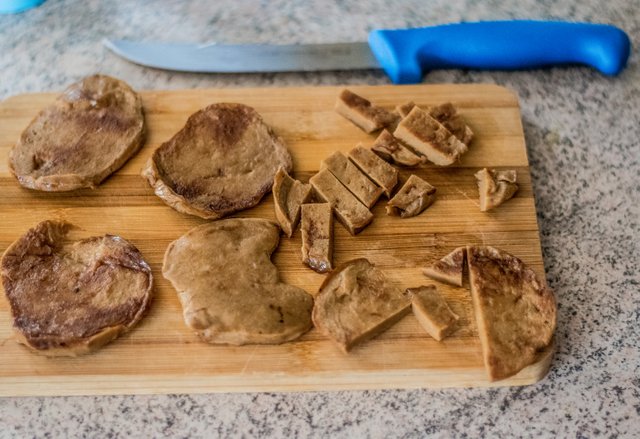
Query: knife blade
point(406, 54)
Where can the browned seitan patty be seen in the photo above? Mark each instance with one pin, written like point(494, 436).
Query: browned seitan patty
point(449, 269)
point(223, 160)
point(515, 311)
point(70, 298)
point(356, 302)
point(89, 132)
point(288, 196)
point(230, 290)
point(447, 115)
point(412, 198)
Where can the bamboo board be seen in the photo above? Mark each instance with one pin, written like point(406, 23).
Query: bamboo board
point(161, 355)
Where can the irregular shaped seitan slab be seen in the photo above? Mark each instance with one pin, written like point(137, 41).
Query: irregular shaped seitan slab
point(495, 187)
point(352, 178)
point(230, 290)
point(362, 113)
point(429, 137)
point(515, 312)
point(223, 160)
point(391, 150)
point(412, 198)
point(350, 212)
point(447, 115)
point(71, 298)
point(432, 311)
point(448, 269)
point(377, 169)
point(89, 132)
point(288, 196)
point(404, 109)
point(356, 302)
point(317, 236)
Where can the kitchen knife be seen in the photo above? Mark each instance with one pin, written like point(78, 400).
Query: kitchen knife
point(405, 54)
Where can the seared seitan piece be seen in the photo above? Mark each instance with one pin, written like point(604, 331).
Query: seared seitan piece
point(514, 310)
point(288, 196)
point(449, 269)
point(377, 169)
point(89, 132)
point(495, 187)
point(317, 236)
point(447, 115)
point(390, 149)
point(362, 113)
point(432, 311)
point(70, 298)
point(412, 198)
point(352, 178)
point(356, 302)
point(350, 212)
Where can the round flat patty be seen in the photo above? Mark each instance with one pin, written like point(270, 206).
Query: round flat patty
point(90, 131)
point(223, 160)
point(69, 298)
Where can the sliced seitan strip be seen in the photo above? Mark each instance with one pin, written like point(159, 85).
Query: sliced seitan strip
point(391, 150)
point(448, 115)
point(356, 302)
point(495, 187)
point(412, 198)
point(404, 109)
point(362, 113)
point(377, 169)
point(317, 236)
point(352, 178)
point(449, 269)
point(432, 311)
point(351, 212)
point(429, 137)
point(288, 196)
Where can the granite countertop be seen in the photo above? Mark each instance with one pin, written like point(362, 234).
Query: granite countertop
point(582, 131)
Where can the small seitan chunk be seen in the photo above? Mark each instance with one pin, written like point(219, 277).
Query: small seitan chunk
point(288, 196)
point(351, 212)
point(404, 109)
point(377, 169)
point(514, 310)
point(447, 115)
point(429, 137)
point(495, 187)
point(317, 236)
point(448, 269)
point(391, 150)
point(356, 302)
point(362, 113)
point(412, 198)
point(353, 179)
point(432, 311)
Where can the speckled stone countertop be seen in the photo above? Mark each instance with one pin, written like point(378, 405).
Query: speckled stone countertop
point(583, 134)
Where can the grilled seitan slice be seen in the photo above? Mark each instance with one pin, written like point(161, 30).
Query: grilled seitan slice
point(432, 311)
point(377, 169)
point(288, 196)
point(495, 187)
point(449, 269)
point(363, 113)
point(392, 150)
point(317, 236)
point(352, 178)
point(412, 198)
point(447, 115)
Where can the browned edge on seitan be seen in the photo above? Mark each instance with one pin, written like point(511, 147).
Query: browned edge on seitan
point(375, 168)
point(495, 187)
point(392, 150)
point(412, 198)
point(450, 268)
point(288, 195)
point(363, 113)
point(317, 236)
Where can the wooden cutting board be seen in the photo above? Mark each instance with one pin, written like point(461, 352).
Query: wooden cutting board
point(161, 355)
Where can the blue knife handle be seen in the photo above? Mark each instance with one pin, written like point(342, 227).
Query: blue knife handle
point(405, 54)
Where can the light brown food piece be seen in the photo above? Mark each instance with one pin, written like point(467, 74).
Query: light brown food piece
point(515, 312)
point(223, 160)
point(230, 290)
point(432, 311)
point(404, 109)
point(391, 150)
point(412, 198)
point(356, 302)
point(495, 187)
point(317, 236)
point(350, 212)
point(288, 196)
point(362, 113)
point(429, 137)
point(89, 132)
point(448, 269)
point(447, 115)
point(71, 298)
point(377, 169)
point(352, 178)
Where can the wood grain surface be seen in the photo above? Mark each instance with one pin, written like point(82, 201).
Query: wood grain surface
point(161, 355)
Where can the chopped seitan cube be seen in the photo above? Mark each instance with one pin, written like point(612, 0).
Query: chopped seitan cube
point(447, 115)
point(390, 149)
point(495, 187)
point(353, 179)
point(317, 236)
point(449, 268)
point(351, 212)
point(404, 109)
point(412, 198)
point(288, 196)
point(429, 137)
point(362, 113)
point(432, 311)
point(377, 169)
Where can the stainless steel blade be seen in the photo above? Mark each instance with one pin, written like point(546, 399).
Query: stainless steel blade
point(222, 58)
